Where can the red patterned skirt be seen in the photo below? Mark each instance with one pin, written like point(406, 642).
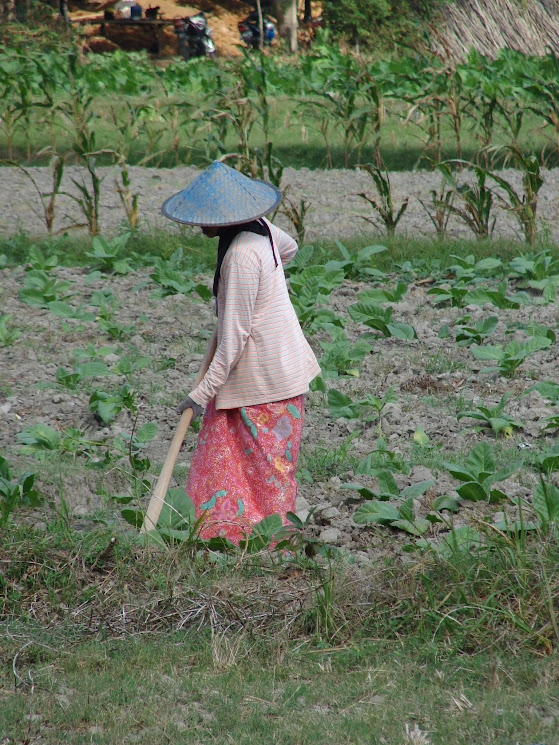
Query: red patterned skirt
point(243, 466)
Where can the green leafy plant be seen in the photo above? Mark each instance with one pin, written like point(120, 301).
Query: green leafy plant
point(381, 458)
point(341, 356)
point(380, 319)
point(383, 205)
point(106, 405)
point(171, 281)
point(477, 200)
point(309, 291)
point(497, 296)
point(384, 295)
point(377, 509)
point(40, 440)
point(479, 332)
point(74, 379)
point(358, 264)
point(39, 289)
point(341, 405)
point(14, 494)
point(439, 209)
point(468, 269)
point(479, 474)
point(511, 356)
point(105, 254)
point(538, 271)
point(493, 418)
point(454, 295)
point(523, 206)
point(8, 332)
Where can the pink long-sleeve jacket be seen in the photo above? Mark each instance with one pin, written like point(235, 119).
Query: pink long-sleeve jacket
point(262, 354)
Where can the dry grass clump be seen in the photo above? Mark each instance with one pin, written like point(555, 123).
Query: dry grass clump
point(506, 594)
point(527, 26)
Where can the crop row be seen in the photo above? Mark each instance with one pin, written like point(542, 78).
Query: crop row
point(193, 108)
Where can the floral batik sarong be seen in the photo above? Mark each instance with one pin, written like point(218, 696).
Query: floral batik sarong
point(243, 466)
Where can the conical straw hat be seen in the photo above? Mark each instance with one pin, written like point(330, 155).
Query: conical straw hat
point(220, 195)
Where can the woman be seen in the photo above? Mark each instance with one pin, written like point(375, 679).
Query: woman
point(243, 466)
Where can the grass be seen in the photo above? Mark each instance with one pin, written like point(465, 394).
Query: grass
point(425, 255)
point(153, 691)
point(140, 648)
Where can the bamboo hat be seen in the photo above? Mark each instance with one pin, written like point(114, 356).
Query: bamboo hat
point(220, 196)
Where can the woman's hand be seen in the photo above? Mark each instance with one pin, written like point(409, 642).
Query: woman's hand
point(188, 403)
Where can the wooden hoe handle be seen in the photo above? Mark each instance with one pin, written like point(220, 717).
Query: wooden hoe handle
point(158, 497)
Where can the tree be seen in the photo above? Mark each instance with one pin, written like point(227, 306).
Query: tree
point(288, 23)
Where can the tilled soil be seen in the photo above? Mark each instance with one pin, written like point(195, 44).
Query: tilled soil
point(336, 209)
point(432, 377)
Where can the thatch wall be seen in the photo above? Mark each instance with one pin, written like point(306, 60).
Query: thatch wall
point(529, 26)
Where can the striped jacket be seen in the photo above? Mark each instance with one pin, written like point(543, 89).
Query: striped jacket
point(261, 355)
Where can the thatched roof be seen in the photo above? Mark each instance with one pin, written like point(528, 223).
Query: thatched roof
point(529, 26)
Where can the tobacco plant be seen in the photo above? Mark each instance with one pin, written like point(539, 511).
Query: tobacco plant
point(479, 474)
point(377, 508)
point(105, 254)
point(342, 357)
point(359, 264)
point(8, 332)
point(478, 333)
point(511, 356)
point(380, 320)
point(492, 418)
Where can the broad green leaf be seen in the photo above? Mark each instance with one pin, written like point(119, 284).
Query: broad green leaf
point(387, 484)
point(376, 512)
point(481, 461)
point(445, 502)
point(340, 405)
point(487, 352)
point(146, 432)
point(459, 473)
point(496, 496)
point(417, 527)
point(178, 509)
point(546, 501)
point(133, 516)
point(416, 490)
point(472, 491)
